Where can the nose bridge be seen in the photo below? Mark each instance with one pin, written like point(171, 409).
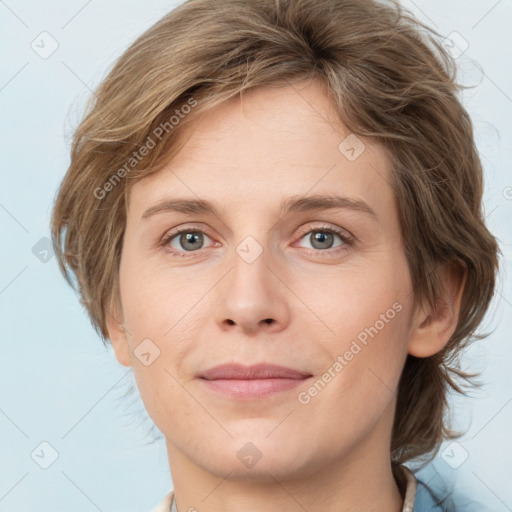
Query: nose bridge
point(249, 279)
point(252, 297)
point(252, 250)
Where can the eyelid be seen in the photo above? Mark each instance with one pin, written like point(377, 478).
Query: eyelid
point(171, 233)
point(345, 235)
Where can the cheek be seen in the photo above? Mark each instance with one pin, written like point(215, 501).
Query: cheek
point(359, 301)
point(154, 297)
point(371, 345)
point(364, 362)
point(163, 315)
point(367, 311)
point(168, 402)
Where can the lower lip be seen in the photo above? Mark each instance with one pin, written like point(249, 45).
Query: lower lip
point(252, 388)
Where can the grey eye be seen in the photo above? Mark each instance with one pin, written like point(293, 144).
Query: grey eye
point(188, 241)
point(321, 239)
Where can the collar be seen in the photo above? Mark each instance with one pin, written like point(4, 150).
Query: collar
point(410, 490)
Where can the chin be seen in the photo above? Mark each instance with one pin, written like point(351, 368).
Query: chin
point(259, 473)
point(245, 461)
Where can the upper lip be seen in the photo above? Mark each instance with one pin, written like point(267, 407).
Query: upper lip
point(257, 371)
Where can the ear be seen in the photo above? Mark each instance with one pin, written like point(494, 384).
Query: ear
point(432, 327)
point(118, 334)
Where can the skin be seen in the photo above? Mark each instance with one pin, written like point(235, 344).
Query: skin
point(209, 308)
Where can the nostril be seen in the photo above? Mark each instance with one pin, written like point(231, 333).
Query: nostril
point(268, 320)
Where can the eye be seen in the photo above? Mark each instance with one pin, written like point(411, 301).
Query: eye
point(324, 238)
point(186, 240)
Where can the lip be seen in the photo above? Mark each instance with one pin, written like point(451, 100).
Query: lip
point(252, 382)
point(256, 371)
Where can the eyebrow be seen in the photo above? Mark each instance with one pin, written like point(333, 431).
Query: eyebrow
point(291, 204)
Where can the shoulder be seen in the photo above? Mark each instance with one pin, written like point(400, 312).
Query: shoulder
point(419, 497)
point(165, 504)
point(429, 501)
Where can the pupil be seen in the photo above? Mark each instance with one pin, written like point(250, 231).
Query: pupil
point(324, 239)
point(190, 238)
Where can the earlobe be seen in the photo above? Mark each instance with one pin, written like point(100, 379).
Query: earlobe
point(432, 327)
point(118, 337)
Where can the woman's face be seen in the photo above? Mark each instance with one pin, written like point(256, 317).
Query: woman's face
point(290, 255)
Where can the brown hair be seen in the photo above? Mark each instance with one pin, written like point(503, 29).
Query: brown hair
point(388, 77)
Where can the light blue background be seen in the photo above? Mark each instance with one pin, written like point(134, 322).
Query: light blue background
point(60, 385)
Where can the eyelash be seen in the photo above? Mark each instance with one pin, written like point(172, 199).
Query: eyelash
point(348, 240)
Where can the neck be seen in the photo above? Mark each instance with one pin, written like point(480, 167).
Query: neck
point(358, 481)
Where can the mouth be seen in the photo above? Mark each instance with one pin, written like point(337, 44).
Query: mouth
point(252, 382)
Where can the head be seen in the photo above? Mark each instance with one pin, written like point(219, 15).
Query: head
point(241, 122)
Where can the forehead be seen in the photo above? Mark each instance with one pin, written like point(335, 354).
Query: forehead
point(274, 142)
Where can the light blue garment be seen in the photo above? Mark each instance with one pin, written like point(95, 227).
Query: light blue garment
point(427, 501)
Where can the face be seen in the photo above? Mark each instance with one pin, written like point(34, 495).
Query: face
point(297, 262)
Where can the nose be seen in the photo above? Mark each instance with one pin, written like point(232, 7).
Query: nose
point(252, 298)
